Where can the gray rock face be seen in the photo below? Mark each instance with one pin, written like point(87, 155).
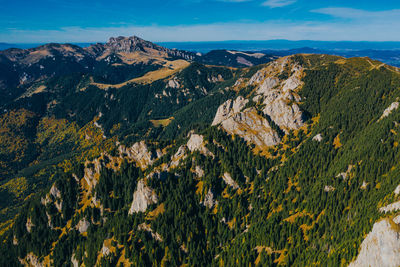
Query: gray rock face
point(29, 225)
point(381, 247)
point(209, 201)
point(391, 207)
point(139, 153)
point(74, 261)
point(317, 138)
point(389, 110)
point(228, 109)
point(196, 143)
point(280, 97)
point(247, 124)
point(142, 198)
point(229, 181)
point(252, 127)
point(145, 227)
point(174, 83)
point(31, 260)
point(83, 225)
point(134, 43)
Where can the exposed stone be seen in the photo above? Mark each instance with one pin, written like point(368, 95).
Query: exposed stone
point(328, 188)
point(147, 228)
point(74, 261)
point(228, 109)
point(251, 127)
point(105, 250)
point(174, 83)
point(199, 171)
point(388, 111)
point(397, 190)
point(209, 201)
point(142, 198)
point(196, 143)
point(31, 260)
point(391, 207)
point(229, 181)
point(139, 153)
point(29, 224)
point(83, 225)
point(317, 138)
point(179, 155)
point(381, 247)
point(55, 192)
point(364, 185)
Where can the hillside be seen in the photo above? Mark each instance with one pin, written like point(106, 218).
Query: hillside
point(290, 163)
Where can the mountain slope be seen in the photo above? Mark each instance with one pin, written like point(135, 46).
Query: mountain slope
point(288, 163)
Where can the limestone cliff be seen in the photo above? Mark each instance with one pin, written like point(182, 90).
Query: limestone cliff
point(142, 198)
point(381, 247)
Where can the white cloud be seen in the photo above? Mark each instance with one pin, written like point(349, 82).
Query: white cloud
point(350, 24)
point(359, 14)
point(278, 3)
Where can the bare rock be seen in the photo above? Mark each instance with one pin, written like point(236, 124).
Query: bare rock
point(83, 225)
point(317, 138)
point(329, 188)
point(388, 111)
point(31, 260)
point(391, 207)
point(74, 261)
point(196, 143)
point(142, 198)
point(209, 201)
point(228, 109)
point(29, 225)
point(251, 127)
point(174, 83)
point(229, 181)
point(139, 153)
point(199, 171)
point(381, 247)
point(147, 228)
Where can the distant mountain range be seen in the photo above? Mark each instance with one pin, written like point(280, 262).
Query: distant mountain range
point(387, 52)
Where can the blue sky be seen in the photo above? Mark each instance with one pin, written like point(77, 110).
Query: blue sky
point(27, 21)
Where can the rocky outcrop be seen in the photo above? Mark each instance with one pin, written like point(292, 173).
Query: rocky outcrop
point(142, 198)
point(196, 143)
point(29, 224)
point(229, 181)
point(74, 261)
point(139, 153)
point(280, 97)
point(83, 225)
point(209, 200)
point(329, 188)
point(228, 109)
point(173, 83)
point(31, 260)
point(391, 207)
point(135, 44)
point(317, 138)
point(389, 110)
point(199, 171)
point(381, 247)
point(251, 127)
point(145, 227)
point(177, 157)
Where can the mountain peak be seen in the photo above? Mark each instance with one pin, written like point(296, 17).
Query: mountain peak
point(131, 44)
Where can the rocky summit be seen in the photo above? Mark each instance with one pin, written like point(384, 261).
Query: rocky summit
point(131, 154)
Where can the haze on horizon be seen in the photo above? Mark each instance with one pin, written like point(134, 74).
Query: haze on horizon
point(198, 20)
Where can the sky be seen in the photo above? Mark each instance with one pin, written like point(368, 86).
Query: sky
point(40, 21)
